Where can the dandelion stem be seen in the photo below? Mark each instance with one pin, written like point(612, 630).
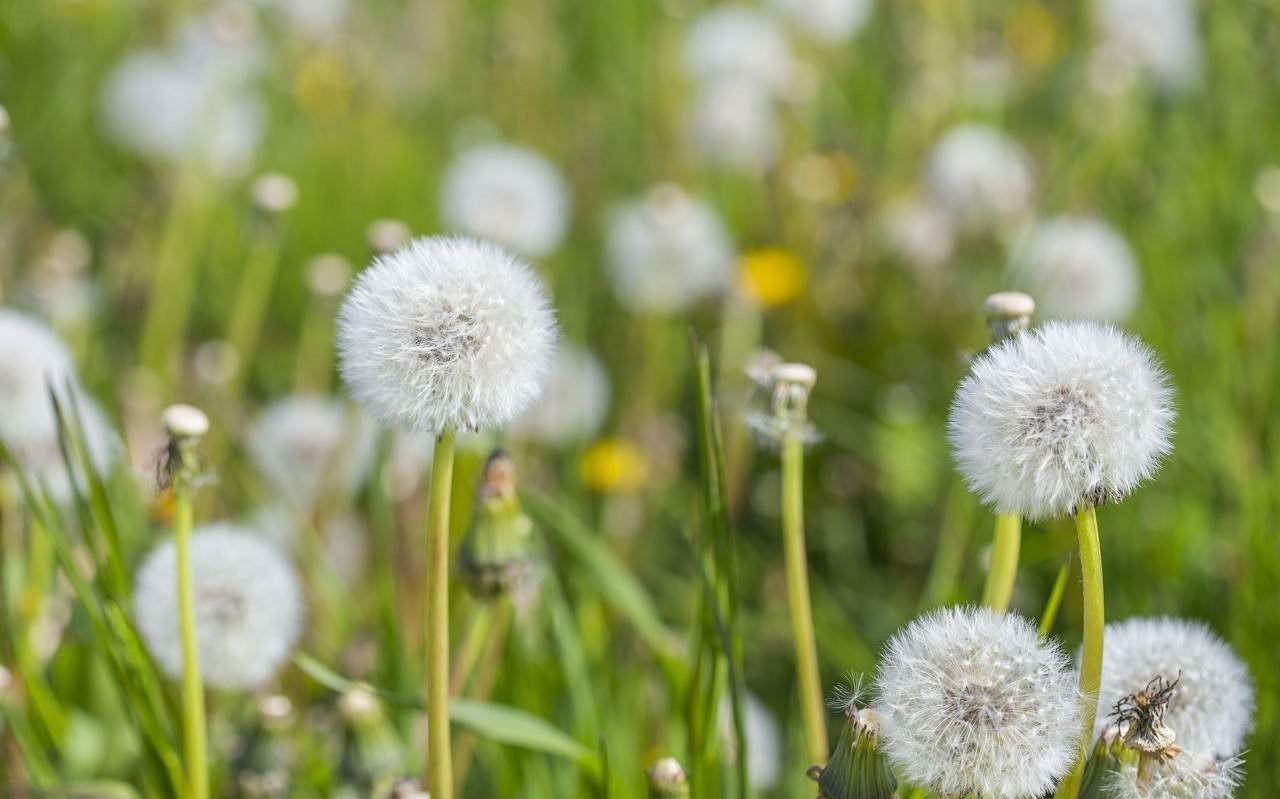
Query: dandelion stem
point(1091, 654)
point(1004, 562)
point(439, 767)
point(810, 681)
point(193, 719)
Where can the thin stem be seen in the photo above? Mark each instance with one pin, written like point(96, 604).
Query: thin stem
point(1004, 562)
point(439, 767)
point(1091, 652)
point(810, 681)
point(193, 720)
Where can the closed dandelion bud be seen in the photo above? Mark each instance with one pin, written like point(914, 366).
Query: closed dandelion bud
point(1008, 313)
point(185, 425)
point(667, 780)
point(370, 751)
point(857, 769)
point(497, 554)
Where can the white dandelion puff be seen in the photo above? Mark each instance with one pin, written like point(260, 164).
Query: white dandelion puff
point(248, 606)
point(32, 359)
point(979, 176)
point(1066, 413)
point(1156, 37)
point(668, 251)
point(574, 404)
point(446, 332)
point(1211, 710)
point(1077, 267)
point(308, 447)
point(40, 456)
point(511, 196)
point(1186, 776)
point(827, 21)
point(735, 124)
point(920, 234)
point(734, 42)
point(972, 702)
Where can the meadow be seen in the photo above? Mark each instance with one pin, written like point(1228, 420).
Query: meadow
point(741, 260)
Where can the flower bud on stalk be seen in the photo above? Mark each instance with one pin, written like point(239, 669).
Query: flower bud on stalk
point(497, 554)
point(667, 780)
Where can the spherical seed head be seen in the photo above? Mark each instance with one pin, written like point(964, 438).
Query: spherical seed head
point(511, 196)
point(972, 702)
point(1157, 37)
point(575, 402)
point(307, 446)
point(1063, 414)
point(1211, 710)
point(735, 42)
point(274, 192)
point(32, 359)
point(446, 332)
point(920, 233)
point(39, 451)
point(185, 421)
point(248, 606)
point(734, 124)
point(1079, 267)
point(763, 738)
point(980, 176)
point(1187, 776)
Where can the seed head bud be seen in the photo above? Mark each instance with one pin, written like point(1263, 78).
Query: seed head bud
point(185, 421)
point(359, 705)
point(276, 710)
point(497, 555)
point(1008, 313)
point(274, 193)
point(857, 769)
point(667, 780)
point(408, 789)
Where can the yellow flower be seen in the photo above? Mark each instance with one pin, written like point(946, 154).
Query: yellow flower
point(771, 276)
point(1031, 34)
point(614, 464)
point(322, 84)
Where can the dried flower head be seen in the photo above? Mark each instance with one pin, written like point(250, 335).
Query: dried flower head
point(248, 606)
point(574, 404)
point(1185, 776)
point(1211, 705)
point(979, 176)
point(1063, 414)
point(511, 196)
point(446, 332)
point(1140, 715)
point(736, 42)
point(1079, 268)
point(972, 702)
point(309, 447)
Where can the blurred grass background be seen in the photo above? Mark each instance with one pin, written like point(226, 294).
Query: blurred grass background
point(365, 122)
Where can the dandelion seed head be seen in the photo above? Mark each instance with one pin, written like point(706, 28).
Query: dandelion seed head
point(1187, 776)
point(971, 701)
point(668, 251)
point(979, 176)
point(248, 606)
point(735, 124)
point(1065, 413)
point(32, 359)
point(1158, 38)
point(1079, 268)
point(737, 42)
point(307, 447)
point(511, 196)
point(919, 233)
point(827, 21)
point(446, 332)
point(573, 406)
point(1211, 710)
point(39, 452)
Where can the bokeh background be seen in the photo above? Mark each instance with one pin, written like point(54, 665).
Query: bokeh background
point(133, 218)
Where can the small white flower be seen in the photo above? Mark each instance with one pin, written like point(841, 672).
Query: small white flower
point(1212, 706)
point(307, 447)
point(920, 234)
point(248, 606)
point(1077, 267)
point(733, 42)
point(511, 196)
point(972, 702)
point(446, 332)
point(1187, 776)
point(667, 251)
point(735, 124)
point(575, 401)
point(1159, 37)
point(1065, 413)
point(979, 176)
point(828, 21)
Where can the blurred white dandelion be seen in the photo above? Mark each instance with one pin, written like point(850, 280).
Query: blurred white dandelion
point(1077, 267)
point(509, 195)
point(446, 332)
point(309, 19)
point(979, 176)
point(667, 251)
point(764, 740)
point(343, 537)
point(827, 21)
point(1065, 413)
point(738, 42)
point(735, 124)
point(920, 234)
point(1212, 706)
point(1158, 38)
point(574, 403)
point(39, 453)
point(32, 360)
point(973, 702)
point(248, 606)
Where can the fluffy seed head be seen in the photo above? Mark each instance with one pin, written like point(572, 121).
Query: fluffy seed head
point(979, 176)
point(972, 702)
point(735, 124)
point(667, 251)
point(307, 446)
point(733, 42)
point(1186, 776)
point(919, 233)
point(1065, 413)
point(32, 359)
point(248, 606)
point(1156, 37)
point(446, 332)
point(511, 196)
point(1211, 710)
point(574, 404)
point(1078, 268)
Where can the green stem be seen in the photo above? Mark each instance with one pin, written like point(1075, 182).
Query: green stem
point(174, 276)
point(244, 329)
point(1004, 562)
point(810, 681)
point(193, 719)
point(1091, 653)
point(439, 767)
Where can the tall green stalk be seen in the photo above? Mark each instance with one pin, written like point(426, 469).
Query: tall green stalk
point(1091, 652)
point(1004, 562)
point(807, 673)
point(194, 740)
point(439, 766)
